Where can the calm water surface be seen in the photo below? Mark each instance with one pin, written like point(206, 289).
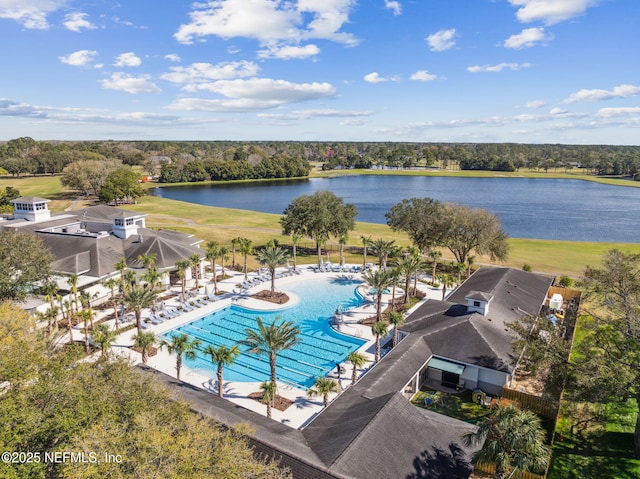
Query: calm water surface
point(559, 209)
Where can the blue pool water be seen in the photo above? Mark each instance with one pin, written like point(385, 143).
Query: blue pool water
point(320, 346)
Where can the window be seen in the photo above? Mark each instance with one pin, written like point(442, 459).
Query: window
point(476, 304)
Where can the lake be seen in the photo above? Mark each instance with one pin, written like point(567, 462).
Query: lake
point(557, 209)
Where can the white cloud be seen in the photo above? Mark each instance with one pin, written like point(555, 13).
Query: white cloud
point(394, 6)
point(557, 111)
point(621, 111)
point(374, 77)
point(31, 14)
point(325, 112)
point(202, 72)
point(172, 57)
point(254, 94)
point(498, 68)
point(550, 11)
point(535, 104)
point(129, 83)
point(527, 38)
point(77, 21)
point(128, 59)
point(287, 52)
point(423, 75)
point(620, 91)
point(442, 40)
point(79, 58)
point(269, 21)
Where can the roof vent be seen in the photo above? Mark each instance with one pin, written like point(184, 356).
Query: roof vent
point(139, 238)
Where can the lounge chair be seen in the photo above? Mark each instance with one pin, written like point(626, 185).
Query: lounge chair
point(155, 319)
point(186, 307)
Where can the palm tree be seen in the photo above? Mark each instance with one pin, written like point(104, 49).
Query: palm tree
point(435, 255)
point(86, 315)
point(383, 250)
point(470, 261)
point(379, 280)
point(148, 260)
point(342, 240)
point(270, 340)
point(103, 337)
point(138, 298)
point(459, 268)
point(111, 283)
point(446, 280)
point(152, 277)
point(121, 266)
point(268, 395)
point(246, 248)
point(366, 241)
point(222, 356)
point(128, 279)
point(50, 291)
point(180, 344)
point(511, 438)
point(396, 318)
point(379, 329)
point(72, 280)
point(234, 244)
point(144, 341)
point(357, 360)
point(272, 257)
point(409, 266)
point(295, 239)
point(194, 262)
point(183, 265)
point(323, 387)
point(213, 253)
point(224, 256)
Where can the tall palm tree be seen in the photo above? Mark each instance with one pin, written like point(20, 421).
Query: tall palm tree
point(86, 315)
point(72, 281)
point(183, 265)
point(222, 356)
point(194, 262)
point(268, 395)
point(272, 257)
point(181, 344)
point(246, 248)
point(234, 244)
point(270, 340)
point(110, 284)
point(212, 254)
point(383, 249)
point(137, 298)
point(152, 277)
point(379, 280)
point(379, 329)
point(409, 266)
point(128, 280)
point(447, 281)
point(357, 360)
point(50, 291)
point(366, 241)
point(396, 318)
point(224, 256)
point(145, 341)
point(459, 268)
point(121, 267)
point(103, 337)
point(295, 239)
point(435, 255)
point(342, 240)
point(323, 387)
point(511, 438)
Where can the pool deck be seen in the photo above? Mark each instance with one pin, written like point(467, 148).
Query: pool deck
point(303, 409)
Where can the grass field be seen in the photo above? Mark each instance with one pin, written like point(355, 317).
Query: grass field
point(223, 224)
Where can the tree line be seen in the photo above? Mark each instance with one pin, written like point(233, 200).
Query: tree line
point(237, 160)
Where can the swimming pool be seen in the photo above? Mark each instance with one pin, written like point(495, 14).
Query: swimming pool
point(320, 347)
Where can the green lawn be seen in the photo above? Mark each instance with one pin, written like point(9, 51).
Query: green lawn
point(459, 406)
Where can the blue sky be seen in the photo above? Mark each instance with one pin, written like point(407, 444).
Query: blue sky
point(526, 71)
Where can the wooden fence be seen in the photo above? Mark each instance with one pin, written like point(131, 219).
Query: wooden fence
point(539, 405)
point(484, 468)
